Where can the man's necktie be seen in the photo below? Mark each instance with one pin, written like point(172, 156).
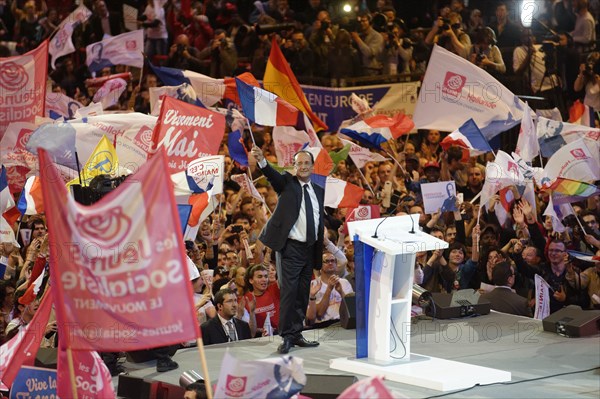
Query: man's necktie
point(231, 331)
point(310, 219)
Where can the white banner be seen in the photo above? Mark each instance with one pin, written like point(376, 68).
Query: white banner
point(360, 155)
point(574, 161)
point(542, 298)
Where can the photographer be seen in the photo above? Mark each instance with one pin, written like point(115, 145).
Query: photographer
point(589, 80)
point(485, 54)
point(299, 55)
point(322, 39)
point(370, 46)
point(222, 54)
point(398, 51)
point(182, 56)
point(448, 33)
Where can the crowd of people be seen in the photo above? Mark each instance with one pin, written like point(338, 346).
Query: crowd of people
point(254, 280)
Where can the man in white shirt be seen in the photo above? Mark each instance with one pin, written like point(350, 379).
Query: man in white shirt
point(327, 292)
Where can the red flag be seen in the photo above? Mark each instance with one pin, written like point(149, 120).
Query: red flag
point(187, 132)
point(368, 388)
point(91, 374)
point(199, 203)
point(119, 266)
point(361, 212)
point(21, 349)
point(23, 86)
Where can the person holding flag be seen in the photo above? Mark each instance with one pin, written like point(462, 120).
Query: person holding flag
point(295, 232)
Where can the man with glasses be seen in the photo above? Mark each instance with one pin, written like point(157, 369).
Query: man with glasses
point(326, 293)
point(225, 327)
point(295, 232)
point(561, 293)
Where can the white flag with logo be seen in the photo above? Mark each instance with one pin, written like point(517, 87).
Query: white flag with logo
point(455, 90)
point(575, 161)
point(527, 143)
point(542, 298)
point(360, 155)
point(277, 378)
point(61, 43)
point(59, 104)
point(110, 92)
point(553, 135)
point(124, 49)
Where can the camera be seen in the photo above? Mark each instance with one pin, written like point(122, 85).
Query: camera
point(99, 186)
point(180, 48)
point(274, 28)
point(237, 228)
point(446, 24)
point(324, 25)
point(406, 43)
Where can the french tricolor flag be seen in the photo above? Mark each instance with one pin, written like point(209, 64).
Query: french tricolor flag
point(467, 137)
point(6, 198)
point(322, 167)
point(376, 130)
point(267, 109)
point(30, 202)
point(584, 257)
point(341, 194)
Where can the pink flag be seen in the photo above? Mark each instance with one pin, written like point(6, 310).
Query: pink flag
point(92, 377)
point(368, 388)
point(23, 86)
point(361, 212)
point(21, 349)
point(187, 132)
point(119, 266)
point(247, 185)
point(110, 92)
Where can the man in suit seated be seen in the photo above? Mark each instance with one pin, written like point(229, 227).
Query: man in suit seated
point(225, 327)
point(502, 298)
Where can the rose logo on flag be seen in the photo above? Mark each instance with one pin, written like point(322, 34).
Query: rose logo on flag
point(235, 386)
point(13, 77)
point(23, 138)
point(363, 212)
point(578, 153)
point(453, 84)
point(107, 230)
point(143, 138)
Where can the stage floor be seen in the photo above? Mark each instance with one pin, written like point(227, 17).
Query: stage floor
point(511, 343)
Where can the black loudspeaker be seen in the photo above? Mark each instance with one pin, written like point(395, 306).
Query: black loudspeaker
point(573, 321)
point(320, 386)
point(133, 387)
point(446, 306)
point(147, 355)
point(348, 312)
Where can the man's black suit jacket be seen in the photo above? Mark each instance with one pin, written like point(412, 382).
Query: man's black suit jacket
point(276, 231)
point(213, 332)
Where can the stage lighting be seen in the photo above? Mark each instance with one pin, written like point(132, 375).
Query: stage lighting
point(347, 7)
point(189, 377)
point(528, 8)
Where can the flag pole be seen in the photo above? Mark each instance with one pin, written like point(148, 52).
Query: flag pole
point(577, 217)
point(397, 163)
point(207, 383)
point(366, 181)
point(78, 169)
point(72, 372)
point(250, 129)
point(541, 160)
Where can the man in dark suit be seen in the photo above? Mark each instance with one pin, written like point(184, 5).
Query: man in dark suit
point(225, 327)
point(295, 232)
point(502, 298)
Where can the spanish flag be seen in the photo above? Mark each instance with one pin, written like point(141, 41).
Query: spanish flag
point(280, 79)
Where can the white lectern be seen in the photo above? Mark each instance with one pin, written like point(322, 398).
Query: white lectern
point(384, 258)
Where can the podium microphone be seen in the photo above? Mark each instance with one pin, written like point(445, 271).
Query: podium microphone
point(412, 231)
point(384, 219)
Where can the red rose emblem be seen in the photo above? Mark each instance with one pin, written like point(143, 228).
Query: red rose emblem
point(107, 229)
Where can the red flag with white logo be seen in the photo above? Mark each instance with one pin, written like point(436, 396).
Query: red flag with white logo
point(361, 212)
point(118, 266)
point(23, 86)
point(187, 132)
point(22, 348)
point(372, 387)
point(92, 377)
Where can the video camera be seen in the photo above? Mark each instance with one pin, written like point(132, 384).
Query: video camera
point(97, 189)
